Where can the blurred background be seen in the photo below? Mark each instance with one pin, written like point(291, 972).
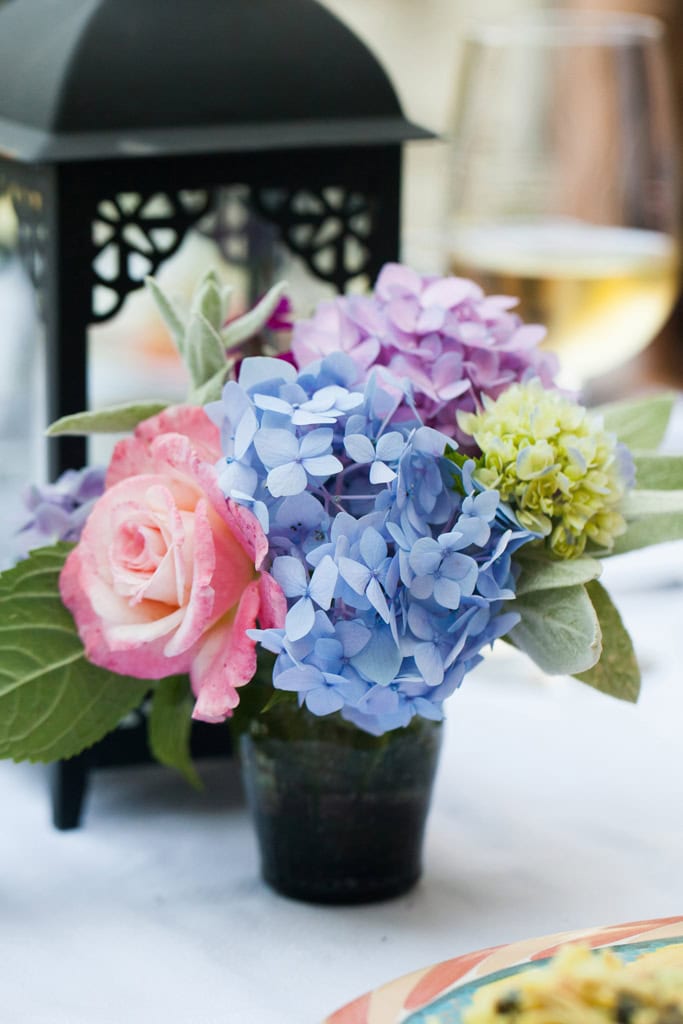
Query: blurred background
point(535, 141)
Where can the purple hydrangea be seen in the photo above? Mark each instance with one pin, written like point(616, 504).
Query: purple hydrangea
point(58, 511)
point(443, 335)
point(397, 568)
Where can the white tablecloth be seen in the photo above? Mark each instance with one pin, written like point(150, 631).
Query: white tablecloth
point(555, 808)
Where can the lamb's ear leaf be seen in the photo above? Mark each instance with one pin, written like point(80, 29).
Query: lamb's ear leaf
point(541, 572)
point(53, 702)
point(640, 423)
point(211, 391)
point(658, 472)
point(654, 529)
point(204, 351)
point(255, 319)
point(170, 726)
point(558, 629)
point(116, 419)
point(617, 673)
point(643, 504)
point(174, 318)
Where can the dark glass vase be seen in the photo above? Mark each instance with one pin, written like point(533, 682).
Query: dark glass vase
point(339, 814)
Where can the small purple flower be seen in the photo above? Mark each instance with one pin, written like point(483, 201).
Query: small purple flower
point(58, 511)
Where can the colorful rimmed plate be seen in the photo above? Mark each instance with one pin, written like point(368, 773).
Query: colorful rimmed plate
point(437, 995)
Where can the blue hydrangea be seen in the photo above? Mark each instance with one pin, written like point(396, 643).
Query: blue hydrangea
point(396, 565)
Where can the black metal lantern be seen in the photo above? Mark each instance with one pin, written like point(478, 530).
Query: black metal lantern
point(125, 124)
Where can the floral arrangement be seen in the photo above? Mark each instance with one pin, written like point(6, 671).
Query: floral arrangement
point(375, 508)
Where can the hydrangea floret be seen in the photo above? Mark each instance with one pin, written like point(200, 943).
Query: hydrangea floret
point(450, 342)
point(555, 463)
point(395, 569)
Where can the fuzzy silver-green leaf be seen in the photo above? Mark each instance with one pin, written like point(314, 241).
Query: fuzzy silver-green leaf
point(558, 630)
point(205, 351)
point(617, 673)
point(640, 423)
point(116, 419)
point(174, 318)
point(540, 571)
point(658, 472)
point(255, 319)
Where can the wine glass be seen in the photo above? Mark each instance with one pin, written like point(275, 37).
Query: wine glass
point(564, 187)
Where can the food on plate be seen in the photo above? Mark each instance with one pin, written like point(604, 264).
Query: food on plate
point(580, 986)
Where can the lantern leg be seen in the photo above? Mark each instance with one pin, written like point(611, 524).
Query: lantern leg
point(69, 784)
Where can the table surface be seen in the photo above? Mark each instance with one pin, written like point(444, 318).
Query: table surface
point(555, 808)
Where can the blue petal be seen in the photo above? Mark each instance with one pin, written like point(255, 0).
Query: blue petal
point(425, 557)
point(318, 442)
point(323, 465)
point(273, 404)
point(430, 663)
point(287, 480)
point(390, 446)
point(380, 660)
point(355, 574)
point(422, 587)
point(323, 582)
point(375, 596)
point(257, 369)
point(298, 679)
point(353, 636)
point(447, 593)
point(381, 474)
point(323, 701)
point(276, 447)
point(359, 448)
point(300, 619)
point(291, 575)
point(373, 548)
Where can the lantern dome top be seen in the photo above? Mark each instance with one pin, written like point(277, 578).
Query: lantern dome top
point(87, 79)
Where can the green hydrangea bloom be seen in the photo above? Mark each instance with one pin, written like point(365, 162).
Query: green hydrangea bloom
point(553, 462)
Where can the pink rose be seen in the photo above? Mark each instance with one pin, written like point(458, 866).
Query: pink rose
point(166, 577)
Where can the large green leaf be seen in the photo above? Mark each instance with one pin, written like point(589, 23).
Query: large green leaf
point(640, 423)
point(170, 724)
point(540, 571)
point(658, 472)
point(642, 533)
point(640, 504)
point(53, 702)
point(113, 420)
point(559, 629)
point(617, 672)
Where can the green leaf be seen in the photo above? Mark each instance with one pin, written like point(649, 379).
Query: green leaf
point(204, 351)
point(559, 629)
point(113, 420)
point(540, 571)
point(170, 724)
point(640, 423)
point(212, 300)
point(254, 320)
point(641, 533)
point(639, 504)
point(172, 316)
point(617, 672)
point(658, 472)
point(211, 390)
point(53, 702)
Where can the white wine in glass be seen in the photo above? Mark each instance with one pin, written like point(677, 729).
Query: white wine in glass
point(565, 186)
